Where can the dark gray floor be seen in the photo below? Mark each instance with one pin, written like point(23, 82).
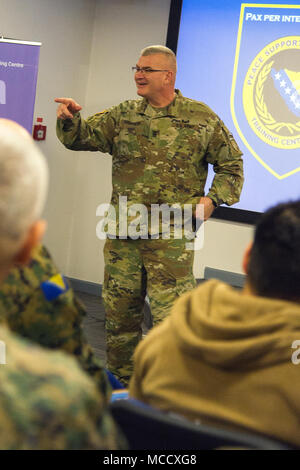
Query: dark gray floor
point(93, 324)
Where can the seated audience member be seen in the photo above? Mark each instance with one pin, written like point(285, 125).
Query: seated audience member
point(226, 356)
point(37, 303)
point(46, 400)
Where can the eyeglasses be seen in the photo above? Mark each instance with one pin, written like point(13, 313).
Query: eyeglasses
point(146, 70)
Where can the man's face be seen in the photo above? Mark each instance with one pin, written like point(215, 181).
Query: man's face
point(152, 85)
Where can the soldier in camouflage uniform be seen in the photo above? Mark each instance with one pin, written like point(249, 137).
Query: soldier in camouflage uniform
point(161, 147)
point(55, 323)
point(46, 400)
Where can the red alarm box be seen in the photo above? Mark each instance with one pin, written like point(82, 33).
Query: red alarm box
point(39, 131)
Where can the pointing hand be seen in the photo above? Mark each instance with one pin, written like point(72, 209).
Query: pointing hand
point(67, 108)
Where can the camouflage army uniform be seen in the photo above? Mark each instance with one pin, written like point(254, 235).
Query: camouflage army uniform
point(55, 324)
point(47, 402)
point(160, 155)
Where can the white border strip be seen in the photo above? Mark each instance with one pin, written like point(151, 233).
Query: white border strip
point(16, 41)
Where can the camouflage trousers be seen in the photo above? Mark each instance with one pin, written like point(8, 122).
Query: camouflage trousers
point(162, 269)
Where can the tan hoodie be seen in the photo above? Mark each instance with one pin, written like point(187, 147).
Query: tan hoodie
point(226, 356)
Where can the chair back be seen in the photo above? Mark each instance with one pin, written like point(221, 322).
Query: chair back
point(150, 429)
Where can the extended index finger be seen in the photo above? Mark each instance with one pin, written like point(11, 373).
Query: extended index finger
point(62, 100)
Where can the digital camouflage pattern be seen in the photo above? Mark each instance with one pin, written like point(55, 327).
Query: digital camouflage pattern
point(163, 268)
point(48, 402)
point(159, 156)
point(55, 324)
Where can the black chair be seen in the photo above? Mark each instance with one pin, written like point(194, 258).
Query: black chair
point(150, 429)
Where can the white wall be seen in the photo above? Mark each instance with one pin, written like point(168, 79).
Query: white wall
point(224, 245)
point(88, 49)
point(65, 29)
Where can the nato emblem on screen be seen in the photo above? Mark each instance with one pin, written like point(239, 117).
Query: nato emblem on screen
point(2, 92)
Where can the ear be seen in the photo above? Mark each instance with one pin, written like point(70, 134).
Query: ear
point(246, 258)
point(169, 77)
point(34, 236)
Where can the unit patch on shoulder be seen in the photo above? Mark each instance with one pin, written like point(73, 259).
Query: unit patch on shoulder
point(54, 287)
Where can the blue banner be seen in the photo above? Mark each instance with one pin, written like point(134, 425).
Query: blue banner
point(18, 77)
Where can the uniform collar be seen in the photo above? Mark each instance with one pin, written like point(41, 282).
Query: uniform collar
point(170, 110)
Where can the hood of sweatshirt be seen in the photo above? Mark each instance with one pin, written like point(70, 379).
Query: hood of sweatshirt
point(230, 329)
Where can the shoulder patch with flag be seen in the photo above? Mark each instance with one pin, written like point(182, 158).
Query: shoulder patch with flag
point(54, 287)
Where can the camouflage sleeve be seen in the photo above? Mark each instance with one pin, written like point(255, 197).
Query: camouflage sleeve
point(47, 402)
point(225, 156)
point(94, 134)
point(55, 324)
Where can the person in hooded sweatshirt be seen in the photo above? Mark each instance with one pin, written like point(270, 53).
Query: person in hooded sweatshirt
point(226, 356)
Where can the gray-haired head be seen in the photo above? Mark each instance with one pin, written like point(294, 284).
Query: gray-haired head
point(23, 186)
point(161, 50)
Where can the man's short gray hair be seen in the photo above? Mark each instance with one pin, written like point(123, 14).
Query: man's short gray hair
point(161, 50)
point(23, 187)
